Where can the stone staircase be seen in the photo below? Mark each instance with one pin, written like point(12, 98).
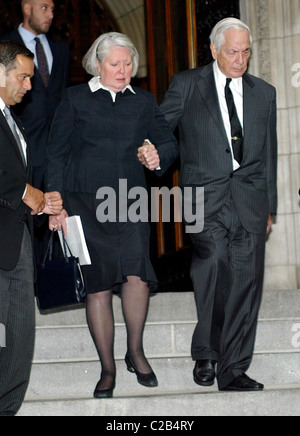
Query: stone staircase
point(66, 367)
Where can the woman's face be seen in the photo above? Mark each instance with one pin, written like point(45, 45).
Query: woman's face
point(116, 69)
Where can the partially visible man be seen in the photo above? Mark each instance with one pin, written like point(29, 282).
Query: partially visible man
point(228, 145)
point(51, 77)
point(19, 201)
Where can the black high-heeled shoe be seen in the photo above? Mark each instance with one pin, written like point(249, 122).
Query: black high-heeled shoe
point(147, 380)
point(105, 393)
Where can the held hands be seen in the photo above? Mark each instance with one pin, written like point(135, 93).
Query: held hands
point(148, 156)
point(270, 223)
point(54, 203)
point(59, 222)
point(50, 203)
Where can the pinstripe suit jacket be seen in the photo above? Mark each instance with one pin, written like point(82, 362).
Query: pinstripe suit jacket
point(13, 211)
point(192, 103)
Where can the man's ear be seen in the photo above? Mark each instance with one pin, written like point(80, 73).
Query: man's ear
point(27, 9)
point(214, 51)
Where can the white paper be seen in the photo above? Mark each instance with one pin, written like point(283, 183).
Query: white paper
point(76, 240)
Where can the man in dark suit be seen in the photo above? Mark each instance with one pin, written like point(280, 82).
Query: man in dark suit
point(51, 76)
point(228, 142)
point(19, 201)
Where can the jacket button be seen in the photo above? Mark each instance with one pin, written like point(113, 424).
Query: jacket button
point(228, 150)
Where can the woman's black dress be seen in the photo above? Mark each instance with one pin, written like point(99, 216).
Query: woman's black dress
point(93, 144)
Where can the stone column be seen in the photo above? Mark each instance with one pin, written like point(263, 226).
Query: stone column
point(130, 15)
point(275, 25)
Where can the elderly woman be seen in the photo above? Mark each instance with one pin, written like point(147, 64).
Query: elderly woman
point(96, 135)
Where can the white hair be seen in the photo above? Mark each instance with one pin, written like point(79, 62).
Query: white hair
point(217, 36)
point(101, 49)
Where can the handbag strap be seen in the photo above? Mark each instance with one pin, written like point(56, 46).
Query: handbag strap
point(50, 248)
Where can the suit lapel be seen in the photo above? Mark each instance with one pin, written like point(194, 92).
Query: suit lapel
point(10, 136)
point(250, 106)
point(208, 90)
point(55, 59)
point(22, 130)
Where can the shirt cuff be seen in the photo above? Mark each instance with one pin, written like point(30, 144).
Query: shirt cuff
point(24, 193)
point(150, 143)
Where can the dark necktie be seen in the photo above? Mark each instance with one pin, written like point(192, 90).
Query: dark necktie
point(236, 128)
point(42, 62)
point(13, 128)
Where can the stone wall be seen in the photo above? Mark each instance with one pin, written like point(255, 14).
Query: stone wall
point(130, 16)
point(275, 25)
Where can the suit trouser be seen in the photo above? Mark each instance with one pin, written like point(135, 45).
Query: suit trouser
point(227, 272)
point(17, 314)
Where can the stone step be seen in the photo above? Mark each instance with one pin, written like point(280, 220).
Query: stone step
point(66, 367)
point(79, 378)
point(179, 306)
point(169, 339)
point(274, 401)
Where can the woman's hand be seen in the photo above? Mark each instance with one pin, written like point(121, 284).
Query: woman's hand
point(58, 222)
point(148, 156)
point(54, 203)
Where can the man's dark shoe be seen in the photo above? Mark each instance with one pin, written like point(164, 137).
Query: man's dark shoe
point(205, 372)
point(243, 383)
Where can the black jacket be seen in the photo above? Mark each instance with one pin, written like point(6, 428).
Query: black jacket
point(13, 211)
point(192, 103)
point(94, 142)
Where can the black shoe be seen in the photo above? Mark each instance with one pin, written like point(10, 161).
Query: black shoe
point(147, 380)
point(105, 393)
point(205, 372)
point(243, 383)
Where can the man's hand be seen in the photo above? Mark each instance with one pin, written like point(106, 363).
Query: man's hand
point(270, 223)
point(148, 156)
point(54, 203)
point(34, 199)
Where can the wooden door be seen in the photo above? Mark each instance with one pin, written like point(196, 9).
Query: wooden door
point(177, 39)
point(171, 48)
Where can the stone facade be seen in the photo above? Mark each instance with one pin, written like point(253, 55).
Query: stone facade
point(275, 25)
point(130, 16)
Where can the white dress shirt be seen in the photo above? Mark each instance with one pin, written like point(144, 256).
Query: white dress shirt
point(29, 41)
point(23, 142)
point(236, 87)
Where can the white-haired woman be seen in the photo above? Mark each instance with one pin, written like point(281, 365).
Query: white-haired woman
point(94, 142)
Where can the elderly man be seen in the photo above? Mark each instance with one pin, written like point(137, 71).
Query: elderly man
point(228, 142)
point(19, 201)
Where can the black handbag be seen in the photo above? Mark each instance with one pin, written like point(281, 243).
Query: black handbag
point(59, 281)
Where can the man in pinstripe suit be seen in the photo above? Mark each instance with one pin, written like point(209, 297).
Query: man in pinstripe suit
point(19, 201)
point(229, 147)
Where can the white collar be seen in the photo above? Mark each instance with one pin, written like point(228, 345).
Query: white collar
point(29, 36)
point(2, 104)
point(95, 85)
point(221, 78)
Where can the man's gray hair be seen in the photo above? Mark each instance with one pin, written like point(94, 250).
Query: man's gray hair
point(217, 36)
point(101, 49)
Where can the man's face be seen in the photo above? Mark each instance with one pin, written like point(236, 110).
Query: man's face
point(17, 81)
point(40, 15)
point(235, 53)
